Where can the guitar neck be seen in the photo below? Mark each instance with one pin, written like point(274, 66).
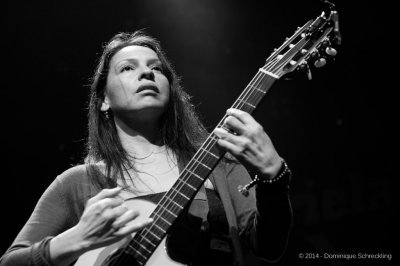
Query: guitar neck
point(193, 176)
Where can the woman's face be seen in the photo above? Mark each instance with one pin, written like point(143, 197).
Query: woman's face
point(136, 86)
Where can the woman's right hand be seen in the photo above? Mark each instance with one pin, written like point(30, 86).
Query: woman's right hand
point(104, 221)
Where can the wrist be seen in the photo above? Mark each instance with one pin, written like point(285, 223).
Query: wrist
point(282, 173)
point(66, 247)
point(271, 171)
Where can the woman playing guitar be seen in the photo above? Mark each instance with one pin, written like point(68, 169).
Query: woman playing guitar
point(143, 130)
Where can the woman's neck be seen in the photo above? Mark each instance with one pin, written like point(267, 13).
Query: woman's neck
point(140, 140)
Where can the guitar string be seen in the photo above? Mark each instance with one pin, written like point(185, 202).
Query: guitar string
point(288, 41)
point(289, 55)
point(250, 89)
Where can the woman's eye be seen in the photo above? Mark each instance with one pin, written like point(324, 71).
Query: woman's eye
point(126, 68)
point(157, 68)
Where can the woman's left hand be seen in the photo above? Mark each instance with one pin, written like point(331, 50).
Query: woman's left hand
point(246, 139)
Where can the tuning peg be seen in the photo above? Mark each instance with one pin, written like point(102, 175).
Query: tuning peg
point(308, 72)
point(314, 56)
point(305, 68)
point(317, 59)
point(326, 48)
point(330, 51)
point(320, 62)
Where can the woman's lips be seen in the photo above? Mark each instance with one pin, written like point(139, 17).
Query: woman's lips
point(150, 87)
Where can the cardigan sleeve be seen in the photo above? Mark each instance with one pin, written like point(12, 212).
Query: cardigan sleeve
point(55, 212)
point(264, 217)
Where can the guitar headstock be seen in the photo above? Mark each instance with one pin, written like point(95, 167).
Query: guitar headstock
point(312, 43)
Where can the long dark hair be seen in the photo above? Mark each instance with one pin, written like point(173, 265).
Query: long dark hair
point(182, 130)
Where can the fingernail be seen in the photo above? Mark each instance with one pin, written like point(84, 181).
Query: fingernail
point(216, 132)
point(148, 221)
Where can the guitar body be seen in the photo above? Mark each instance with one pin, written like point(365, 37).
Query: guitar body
point(160, 257)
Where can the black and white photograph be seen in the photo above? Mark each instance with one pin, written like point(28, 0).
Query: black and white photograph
point(198, 133)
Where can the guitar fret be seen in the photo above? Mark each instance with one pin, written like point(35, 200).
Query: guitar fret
point(160, 211)
point(180, 193)
point(162, 218)
point(212, 154)
point(160, 228)
point(176, 204)
point(138, 252)
point(156, 236)
point(144, 248)
point(199, 177)
point(173, 214)
point(259, 90)
point(165, 220)
point(202, 164)
point(249, 104)
point(200, 171)
point(187, 184)
point(149, 241)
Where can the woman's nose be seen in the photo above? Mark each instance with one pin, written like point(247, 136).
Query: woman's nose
point(146, 73)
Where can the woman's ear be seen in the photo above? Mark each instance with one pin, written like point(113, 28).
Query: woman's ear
point(105, 104)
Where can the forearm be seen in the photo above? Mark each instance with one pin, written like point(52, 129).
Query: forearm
point(23, 254)
point(263, 214)
point(272, 222)
point(66, 248)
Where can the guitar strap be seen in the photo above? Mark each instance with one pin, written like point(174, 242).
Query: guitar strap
point(199, 206)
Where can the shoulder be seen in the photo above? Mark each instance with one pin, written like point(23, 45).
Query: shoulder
point(77, 173)
point(75, 181)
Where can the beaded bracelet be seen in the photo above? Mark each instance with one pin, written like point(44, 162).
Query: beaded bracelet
point(282, 172)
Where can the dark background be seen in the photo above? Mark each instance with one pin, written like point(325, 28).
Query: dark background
point(335, 131)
